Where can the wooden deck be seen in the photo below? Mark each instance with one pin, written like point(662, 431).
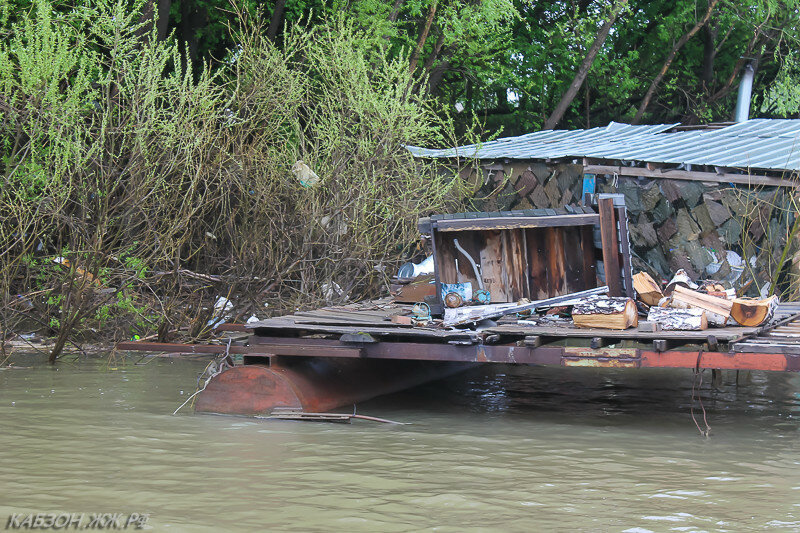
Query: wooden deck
point(365, 331)
point(374, 318)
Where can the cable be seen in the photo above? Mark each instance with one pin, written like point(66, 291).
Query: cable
point(698, 372)
point(222, 364)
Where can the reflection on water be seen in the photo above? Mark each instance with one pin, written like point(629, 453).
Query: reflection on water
point(501, 448)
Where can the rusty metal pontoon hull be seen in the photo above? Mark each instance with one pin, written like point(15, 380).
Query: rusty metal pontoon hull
point(314, 384)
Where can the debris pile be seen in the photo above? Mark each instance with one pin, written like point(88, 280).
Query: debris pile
point(510, 267)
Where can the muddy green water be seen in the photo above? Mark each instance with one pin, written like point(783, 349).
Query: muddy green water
point(497, 449)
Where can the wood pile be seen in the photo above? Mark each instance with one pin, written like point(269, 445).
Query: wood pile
point(691, 306)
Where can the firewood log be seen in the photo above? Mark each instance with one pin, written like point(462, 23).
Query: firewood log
point(646, 287)
point(604, 312)
point(680, 279)
point(671, 319)
point(718, 310)
point(753, 312)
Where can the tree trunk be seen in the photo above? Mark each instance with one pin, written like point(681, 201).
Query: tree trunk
point(148, 19)
point(709, 54)
point(437, 74)
point(502, 100)
point(435, 53)
point(558, 113)
point(395, 10)
point(743, 59)
point(670, 58)
point(193, 17)
point(276, 21)
point(423, 36)
point(162, 24)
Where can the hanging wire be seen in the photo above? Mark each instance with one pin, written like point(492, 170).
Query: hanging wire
point(699, 373)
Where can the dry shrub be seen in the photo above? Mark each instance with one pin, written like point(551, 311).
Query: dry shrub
point(136, 193)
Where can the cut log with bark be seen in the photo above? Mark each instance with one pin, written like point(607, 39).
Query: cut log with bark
point(605, 312)
point(753, 312)
point(718, 310)
point(646, 287)
point(680, 279)
point(671, 319)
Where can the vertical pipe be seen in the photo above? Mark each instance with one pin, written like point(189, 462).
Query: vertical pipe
point(745, 93)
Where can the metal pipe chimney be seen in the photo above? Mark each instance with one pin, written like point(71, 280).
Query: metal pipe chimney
point(745, 93)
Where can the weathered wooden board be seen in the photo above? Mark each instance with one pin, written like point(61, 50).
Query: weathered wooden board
point(608, 235)
point(589, 257)
point(556, 271)
point(537, 263)
point(722, 334)
point(497, 223)
point(625, 252)
point(515, 276)
point(573, 259)
point(492, 266)
point(390, 329)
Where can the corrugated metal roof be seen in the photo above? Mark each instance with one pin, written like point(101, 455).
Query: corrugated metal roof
point(770, 144)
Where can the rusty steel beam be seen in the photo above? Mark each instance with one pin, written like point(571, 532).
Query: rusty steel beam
point(729, 361)
point(144, 346)
point(480, 353)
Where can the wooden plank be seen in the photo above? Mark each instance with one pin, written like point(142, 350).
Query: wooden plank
point(747, 179)
point(515, 265)
point(444, 267)
point(589, 259)
point(573, 260)
point(500, 222)
point(554, 253)
point(537, 264)
point(415, 291)
point(625, 251)
point(718, 310)
point(722, 334)
point(343, 321)
point(608, 235)
point(389, 330)
point(492, 266)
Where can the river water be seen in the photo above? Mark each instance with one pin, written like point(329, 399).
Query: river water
point(497, 449)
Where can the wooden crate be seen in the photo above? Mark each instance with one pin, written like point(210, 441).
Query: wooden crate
point(534, 253)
